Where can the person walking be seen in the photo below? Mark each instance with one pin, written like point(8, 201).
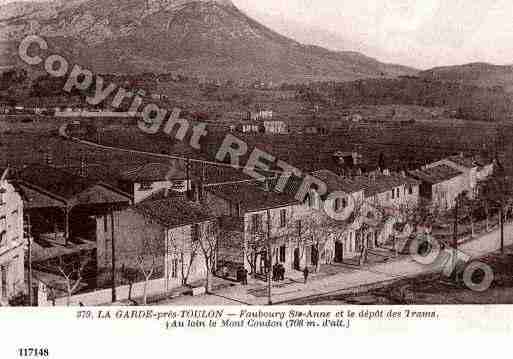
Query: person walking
point(275, 273)
point(244, 276)
point(305, 273)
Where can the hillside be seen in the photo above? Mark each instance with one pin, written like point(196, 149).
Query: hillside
point(477, 74)
point(462, 101)
point(207, 38)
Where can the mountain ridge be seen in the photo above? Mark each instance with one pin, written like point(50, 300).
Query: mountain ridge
point(206, 38)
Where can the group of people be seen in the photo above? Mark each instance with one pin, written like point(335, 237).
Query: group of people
point(278, 272)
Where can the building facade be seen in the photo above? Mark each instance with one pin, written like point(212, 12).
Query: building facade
point(12, 243)
point(275, 127)
point(475, 169)
point(256, 223)
point(162, 234)
point(441, 185)
point(144, 181)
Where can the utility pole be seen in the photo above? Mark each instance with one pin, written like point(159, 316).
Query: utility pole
point(455, 233)
point(202, 185)
point(113, 247)
point(188, 176)
point(269, 258)
point(29, 237)
point(501, 214)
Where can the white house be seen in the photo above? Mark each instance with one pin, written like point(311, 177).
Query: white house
point(441, 184)
point(162, 230)
point(475, 169)
point(147, 179)
point(368, 199)
point(275, 127)
point(250, 214)
point(12, 242)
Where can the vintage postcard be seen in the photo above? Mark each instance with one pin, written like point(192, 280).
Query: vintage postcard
point(295, 170)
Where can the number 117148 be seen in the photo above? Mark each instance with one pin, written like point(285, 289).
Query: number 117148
point(33, 352)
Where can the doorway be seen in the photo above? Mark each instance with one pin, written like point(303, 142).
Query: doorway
point(261, 262)
point(339, 252)
point(297, 260)
point(314, 256)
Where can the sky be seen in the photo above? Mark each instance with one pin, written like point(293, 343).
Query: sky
point(418, 33)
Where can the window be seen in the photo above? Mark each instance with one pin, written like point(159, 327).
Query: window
point(173, 273)
point(105, 224)
point(309, 201)
point(282, 254)
point(3, 223)
point(146, 186)
point(410, 189)
point(4, 269)
point(283, 218)
point(3, 238)
point(336, 205)
point(359, 244)
point(398, 192)
point(340, 203)
point(256, 223)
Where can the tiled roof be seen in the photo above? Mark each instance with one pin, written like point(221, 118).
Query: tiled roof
point(337, 183)
point(469, 162)
point(252, 196)
point(172, 212)
point(383, 183)
point(60, 183)
point(56, 181)
point(435, 174)
point(155, 172)
point(218, 175)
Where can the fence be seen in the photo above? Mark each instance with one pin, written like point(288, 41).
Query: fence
point(104, 296)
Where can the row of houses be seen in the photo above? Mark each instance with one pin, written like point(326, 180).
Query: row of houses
point(187, 227)
point(274, 127)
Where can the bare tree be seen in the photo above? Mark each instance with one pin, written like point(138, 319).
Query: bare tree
point(73, 276)
point(312, 230)
point(147, 260)
point(208, 242)
point(468, 207)
point(182, 250)
point(255, 241)
point(497, 192)
point(316, 228)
